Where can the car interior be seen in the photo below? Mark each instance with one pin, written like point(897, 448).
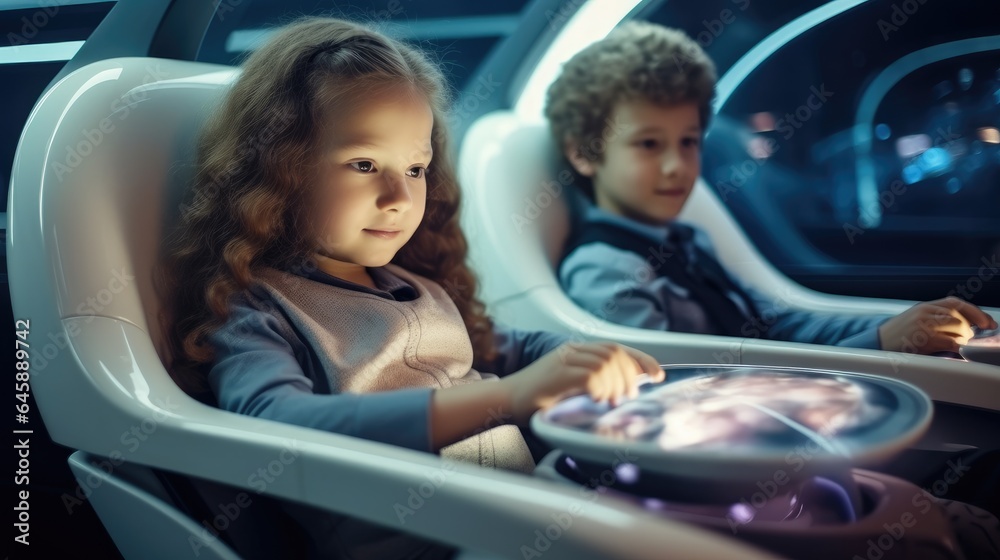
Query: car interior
point(118, 198)
point(101, 170)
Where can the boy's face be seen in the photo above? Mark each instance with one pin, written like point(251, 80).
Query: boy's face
point(372, 178)
point(650, 164)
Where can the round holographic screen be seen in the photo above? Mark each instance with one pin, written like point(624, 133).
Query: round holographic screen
point(746, 412)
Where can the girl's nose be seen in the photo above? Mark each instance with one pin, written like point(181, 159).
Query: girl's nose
point(396, 194)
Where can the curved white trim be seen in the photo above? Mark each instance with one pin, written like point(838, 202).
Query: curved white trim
point(99, 77)
point(42, 52)
point(589, 24)
point(596, 18)
point(779, 38)
point(869, 208)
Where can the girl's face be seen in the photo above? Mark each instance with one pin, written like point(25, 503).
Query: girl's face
point(372, 185)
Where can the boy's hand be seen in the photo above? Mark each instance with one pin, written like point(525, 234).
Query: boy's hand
point(933, 326)
point(604, 370)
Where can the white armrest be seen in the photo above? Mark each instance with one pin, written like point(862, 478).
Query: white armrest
point(471, 508)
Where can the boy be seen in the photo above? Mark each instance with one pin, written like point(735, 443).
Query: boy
point(629, 113)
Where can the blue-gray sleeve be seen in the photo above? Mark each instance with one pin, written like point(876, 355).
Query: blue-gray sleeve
point(257, 373)
point(779, 321)
point(615, 285)
point(517, 348)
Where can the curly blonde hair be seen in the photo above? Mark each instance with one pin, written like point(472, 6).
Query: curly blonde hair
point(250, 202)
point(638, 60)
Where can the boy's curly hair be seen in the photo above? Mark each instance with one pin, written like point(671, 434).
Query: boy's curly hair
point(638, 60)
point(250, 204)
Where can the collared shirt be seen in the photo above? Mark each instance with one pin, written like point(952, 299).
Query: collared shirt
point(388, 285)
point(263, 367)
point(622, 287)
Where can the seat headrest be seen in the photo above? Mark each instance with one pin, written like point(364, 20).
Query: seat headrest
point(122, 157)
point(519, 197)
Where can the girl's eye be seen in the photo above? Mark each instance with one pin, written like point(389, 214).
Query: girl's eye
point(691, 142)
point(648, 143)
point(363, 166)
point(417, 172)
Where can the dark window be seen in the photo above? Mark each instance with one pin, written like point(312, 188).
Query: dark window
point(30, 37)
point(862, 156)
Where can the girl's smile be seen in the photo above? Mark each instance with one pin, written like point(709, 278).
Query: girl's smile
point(383, 234)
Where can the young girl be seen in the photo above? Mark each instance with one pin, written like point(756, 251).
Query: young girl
point(324, 274)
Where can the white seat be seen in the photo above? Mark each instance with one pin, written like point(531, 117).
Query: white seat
point(516, 214)
point(131, 501)
point(101, 167)
point(517, 209)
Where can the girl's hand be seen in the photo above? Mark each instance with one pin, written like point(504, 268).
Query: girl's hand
point(933, 326)
point(604, 370)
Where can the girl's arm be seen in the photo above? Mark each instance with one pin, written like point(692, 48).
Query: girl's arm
point(464, 410)
point(604, 370)
point(257, 373)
